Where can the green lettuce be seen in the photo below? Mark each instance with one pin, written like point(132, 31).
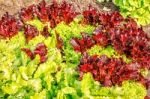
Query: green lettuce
point(137, 9)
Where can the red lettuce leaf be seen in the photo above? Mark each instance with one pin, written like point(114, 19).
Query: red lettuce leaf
point(40, 50)
point(30, 32)
point(81, 45)
point(45, 32)
point(27, 14)
point(9, 26)
point(29, 53)
point(91, 16)
point(42, 11)
point(110, 72)
point(59, 44)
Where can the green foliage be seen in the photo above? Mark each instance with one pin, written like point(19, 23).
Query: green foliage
point(137, 9)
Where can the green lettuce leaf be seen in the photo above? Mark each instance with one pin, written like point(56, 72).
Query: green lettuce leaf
point(137, 9)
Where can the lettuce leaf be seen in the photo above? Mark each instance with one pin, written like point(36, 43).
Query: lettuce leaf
point(138, 9)
point(109, 51)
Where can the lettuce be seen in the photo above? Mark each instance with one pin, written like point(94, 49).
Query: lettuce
point(22, 93)
point(67, 93)
point(40, 95)
point(10, 88)
point(37, 23)
point(23, 78)
point(86, 85)
point(109, 51)
point(67, 32)
point(128, 90)
point(138, 9)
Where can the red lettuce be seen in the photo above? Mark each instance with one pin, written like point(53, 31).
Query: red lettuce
point(42, 11)
point(100, 38)
point(30, 32)
point(45, 32)
point(83, 44)
point(110, 72)
point(59, 44)
point(28, 52)
point(53, 13)
point(123, 34)
point(27, 14)
point(9, 26)
point(91, 16)
point(146, 97)
point(61, 12)
point(67, 13)
point(110, 19)
point(40, 50)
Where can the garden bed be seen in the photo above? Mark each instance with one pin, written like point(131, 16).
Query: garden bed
point(62, 51)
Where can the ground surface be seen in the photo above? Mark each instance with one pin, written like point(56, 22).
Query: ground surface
point(12, 6)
